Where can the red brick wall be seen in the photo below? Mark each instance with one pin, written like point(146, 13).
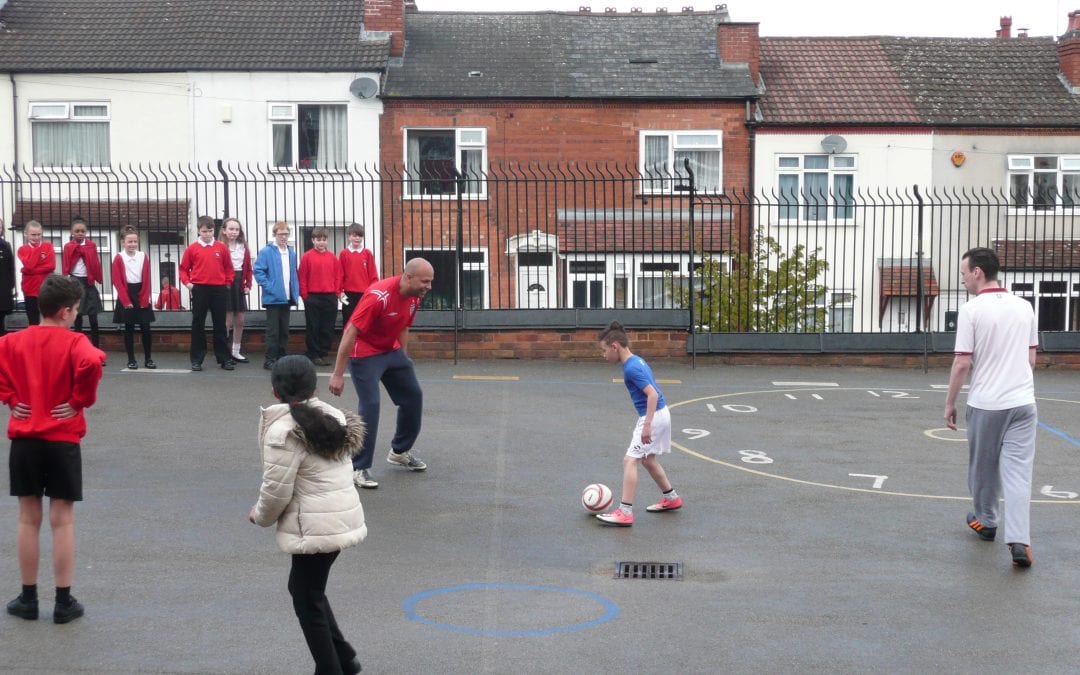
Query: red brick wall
point(739, 43)
point(387, 15)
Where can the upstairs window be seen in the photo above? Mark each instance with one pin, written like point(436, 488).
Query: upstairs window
point(70, 134)
point(433, 155)
point(309, 136)
point(816, 188)
point(1044, 182)
point(664, 154)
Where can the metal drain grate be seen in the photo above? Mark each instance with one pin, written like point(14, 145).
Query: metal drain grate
point(648, 570)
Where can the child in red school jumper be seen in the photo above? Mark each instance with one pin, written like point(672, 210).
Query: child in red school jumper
point(48, 375)
point(320, 288)
point(652, 434)
point(38, 260)
point(80, 260)
point(358, 271)
point(169, 297)
point(206, 270)
point(131, 279)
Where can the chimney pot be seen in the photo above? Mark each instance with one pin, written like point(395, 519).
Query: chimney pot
point(1074, 20)
point(1005, 31)
point(1068, 49)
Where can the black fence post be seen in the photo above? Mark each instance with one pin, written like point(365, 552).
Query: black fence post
point(920, 292)
point(691, 188)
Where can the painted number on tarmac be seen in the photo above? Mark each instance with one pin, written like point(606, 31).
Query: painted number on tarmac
point(755, 457)
point(1049, 491)
point(889, 393)
point(878, 480)
point(695, 434)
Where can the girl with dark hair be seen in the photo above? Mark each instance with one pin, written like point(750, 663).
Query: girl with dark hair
point(131, 279)
point(307, 468)
point(232, 235)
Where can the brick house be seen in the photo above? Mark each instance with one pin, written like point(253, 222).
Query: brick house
point(569, 132)
point(988, 129)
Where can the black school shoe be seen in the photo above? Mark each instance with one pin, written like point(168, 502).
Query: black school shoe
point(150, 365)
point(196, 366)
point(352, 667)
point(228, 365)
point(1021, 555)
point(133, 365)
point(985, 533)
point(23, 609)
point(64, 613)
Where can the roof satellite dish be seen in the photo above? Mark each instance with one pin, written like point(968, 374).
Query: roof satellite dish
point(364, 87)
point(833, 144)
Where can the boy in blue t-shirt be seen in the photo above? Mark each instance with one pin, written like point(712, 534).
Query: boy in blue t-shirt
point(652, 434)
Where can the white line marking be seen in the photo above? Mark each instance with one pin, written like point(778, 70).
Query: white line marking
point(711, 407)
point(874, 393)
point(945, 386)
point(817, 396)
point(805, 384)
point(792, 396)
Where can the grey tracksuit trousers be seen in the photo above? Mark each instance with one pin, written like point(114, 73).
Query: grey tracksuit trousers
point(1001, 447)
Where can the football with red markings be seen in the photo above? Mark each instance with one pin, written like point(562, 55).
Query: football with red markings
point(596, 497)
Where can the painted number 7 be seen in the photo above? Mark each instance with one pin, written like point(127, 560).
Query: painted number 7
point(695, 434)
point(878, 480)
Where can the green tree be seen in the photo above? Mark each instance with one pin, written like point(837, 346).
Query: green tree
point(765, 290)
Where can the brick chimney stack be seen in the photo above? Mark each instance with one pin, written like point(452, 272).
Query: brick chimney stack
point(386, 16)
point(740, 43)
point(1005, 32)
point(1068, 48)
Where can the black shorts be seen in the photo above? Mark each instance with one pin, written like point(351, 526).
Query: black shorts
point(50, 468)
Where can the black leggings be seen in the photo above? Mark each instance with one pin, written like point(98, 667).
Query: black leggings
point(307, 586)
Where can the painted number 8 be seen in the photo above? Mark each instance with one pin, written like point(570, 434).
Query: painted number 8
point(755, 457)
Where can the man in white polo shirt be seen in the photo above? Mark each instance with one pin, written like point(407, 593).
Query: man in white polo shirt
point(996, 339)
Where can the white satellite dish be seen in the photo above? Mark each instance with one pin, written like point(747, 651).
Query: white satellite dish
point(364, 87)
point(833, 144)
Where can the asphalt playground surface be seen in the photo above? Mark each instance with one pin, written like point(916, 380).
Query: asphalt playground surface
point(823, 531)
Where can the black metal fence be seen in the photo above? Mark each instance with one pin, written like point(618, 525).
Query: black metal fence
point(529, 237)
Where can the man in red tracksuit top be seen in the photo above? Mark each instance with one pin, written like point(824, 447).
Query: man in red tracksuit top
point(374, 345)
point(319, 274)
point(206, 270)
point(48, 375)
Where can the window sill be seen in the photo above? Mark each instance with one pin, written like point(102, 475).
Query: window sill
point(72, 169)
point(444, 198)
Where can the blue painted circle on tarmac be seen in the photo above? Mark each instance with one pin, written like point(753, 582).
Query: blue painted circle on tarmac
point(610, 609)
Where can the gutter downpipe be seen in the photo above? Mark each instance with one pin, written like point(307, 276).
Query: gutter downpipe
point(14, 135)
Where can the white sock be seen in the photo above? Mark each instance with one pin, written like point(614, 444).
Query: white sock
point(628, 509)
point(672, 494)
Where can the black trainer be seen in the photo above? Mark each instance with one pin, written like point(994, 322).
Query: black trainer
point(133, 365)
point(196, 365)
point(23, 609)
point(150, 365)
point(63, 613)
point(1021, 555)
point(985, 533)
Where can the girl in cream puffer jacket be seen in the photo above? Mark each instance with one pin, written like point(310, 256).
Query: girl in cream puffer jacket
point(307, 490)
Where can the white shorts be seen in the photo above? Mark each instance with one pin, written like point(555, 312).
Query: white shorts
point(661, 436)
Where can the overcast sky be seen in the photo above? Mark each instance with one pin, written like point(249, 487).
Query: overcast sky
point(942, 18)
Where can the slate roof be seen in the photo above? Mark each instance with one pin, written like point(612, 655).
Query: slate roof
point(564, 55)
point(178, 35)
point(919, 81)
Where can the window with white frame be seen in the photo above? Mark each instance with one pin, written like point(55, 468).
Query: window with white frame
point(1044, 182)
point(663, 157)
point(70, 133)
point(815, 188)
point(474, 277)
point(1054, 297)
point(841, 312)
point(433, 155)
point(312, 136)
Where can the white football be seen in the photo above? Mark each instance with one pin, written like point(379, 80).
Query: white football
point(596, 497)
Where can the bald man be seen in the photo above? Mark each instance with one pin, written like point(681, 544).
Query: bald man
point(373, 345)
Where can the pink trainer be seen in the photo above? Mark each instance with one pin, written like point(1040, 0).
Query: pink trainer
point(617, 518)
point(665, 504)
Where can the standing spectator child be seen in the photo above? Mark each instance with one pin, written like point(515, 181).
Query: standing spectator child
point(131, 279)
point(320, 287)
point(38, 260)
point(275, 272)
point(358, 271)
point(306, 447)
point(7, 280)
point(80, 260)
point(206, 270)
point(232, 235)
point(652, 434)
point(48, 375)
point(169, 297)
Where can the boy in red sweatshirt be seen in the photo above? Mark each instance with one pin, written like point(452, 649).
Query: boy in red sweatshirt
point(358, 271)
point(320, 287)
point(38, 260)
point(48, 375)
point(206, 270)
